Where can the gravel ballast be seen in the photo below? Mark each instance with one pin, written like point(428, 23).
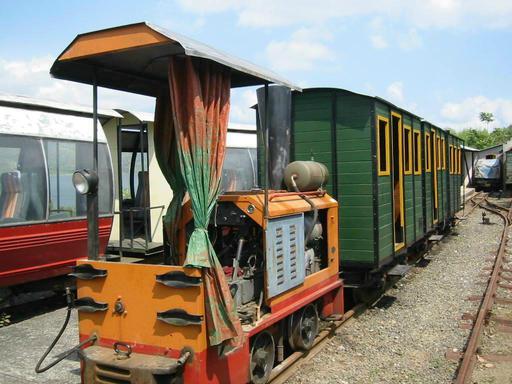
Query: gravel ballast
point(405, 339)
point(401, 341)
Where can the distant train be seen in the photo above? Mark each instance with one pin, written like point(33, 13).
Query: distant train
point(43, 228)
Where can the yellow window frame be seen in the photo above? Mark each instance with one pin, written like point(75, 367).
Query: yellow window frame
point(455, 164)
point(459, 160)
point(456, 160)
point(450, 159)
point(443, 157)
point(438, 159)
point(428, 152)
point(417, 152)
point(387, 170)
point(408, 141)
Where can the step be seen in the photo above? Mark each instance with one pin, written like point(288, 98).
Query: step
point(399, 270)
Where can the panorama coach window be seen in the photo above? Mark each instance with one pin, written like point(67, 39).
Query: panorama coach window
point(64, 157)
point(407, 150)
point(428, 153)
point(417, 152)
point(22, 180)
point(383, 145)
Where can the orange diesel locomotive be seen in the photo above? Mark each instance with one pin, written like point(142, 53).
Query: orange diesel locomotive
point(252, 272)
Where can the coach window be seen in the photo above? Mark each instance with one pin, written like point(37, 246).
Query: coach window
point(64, 157)
point(22, 180)
point(417, 152)
point(407, 150)
point(428, 152)
point(383, 151)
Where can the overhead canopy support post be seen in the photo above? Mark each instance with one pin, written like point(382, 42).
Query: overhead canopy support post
point(120, 184)
point(145, 188)
point(265, 151)
point(92, 198)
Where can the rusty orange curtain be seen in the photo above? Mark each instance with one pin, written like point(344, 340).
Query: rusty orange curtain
point(166, 152)
point(199, 95)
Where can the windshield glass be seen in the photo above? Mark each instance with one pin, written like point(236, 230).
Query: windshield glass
point(239, 171)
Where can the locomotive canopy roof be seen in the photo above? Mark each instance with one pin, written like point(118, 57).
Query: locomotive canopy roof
point(133, 57)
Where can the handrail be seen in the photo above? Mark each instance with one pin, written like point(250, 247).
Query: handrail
point(284, 194)
point(130, 211)
point(139, 209)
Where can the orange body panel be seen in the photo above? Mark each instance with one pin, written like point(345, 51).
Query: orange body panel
point(143, 297)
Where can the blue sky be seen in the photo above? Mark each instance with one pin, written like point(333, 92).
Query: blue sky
point(446, 60)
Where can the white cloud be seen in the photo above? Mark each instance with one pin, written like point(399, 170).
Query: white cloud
point(241, 102)
point(413, 13)
point(395, 92)
point(379, 41)
point(32, 78)
point(466, 113)
point(304, 49)
point(381, 33)
point(410, 40)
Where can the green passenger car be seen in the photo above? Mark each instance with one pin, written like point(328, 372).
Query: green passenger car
point(389, 170)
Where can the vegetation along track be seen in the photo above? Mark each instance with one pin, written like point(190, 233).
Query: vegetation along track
point(480, 320)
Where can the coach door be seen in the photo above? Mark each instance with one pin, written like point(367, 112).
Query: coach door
point(397, 171)
point(436, 165)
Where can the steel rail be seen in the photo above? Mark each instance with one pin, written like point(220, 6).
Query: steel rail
point(475, 203)
point(467, 364)
point(282, 372)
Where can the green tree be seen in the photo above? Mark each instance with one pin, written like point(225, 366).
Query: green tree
point(481, 138)
point(486, 117)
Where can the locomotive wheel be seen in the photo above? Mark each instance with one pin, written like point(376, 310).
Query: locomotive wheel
point(262, 358)
point(303, 328)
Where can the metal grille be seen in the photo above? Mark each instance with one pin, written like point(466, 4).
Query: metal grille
point(285, 254)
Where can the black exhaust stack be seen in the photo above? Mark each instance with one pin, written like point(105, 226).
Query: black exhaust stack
point(279, 129)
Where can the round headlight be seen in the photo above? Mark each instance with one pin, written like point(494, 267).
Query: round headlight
point(85, 181)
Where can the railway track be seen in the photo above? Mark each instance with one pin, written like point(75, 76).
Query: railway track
point(282, 372)
point(475, 200)
point(468, 358)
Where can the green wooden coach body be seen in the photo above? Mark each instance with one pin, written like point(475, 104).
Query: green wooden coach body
point(377, 155)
